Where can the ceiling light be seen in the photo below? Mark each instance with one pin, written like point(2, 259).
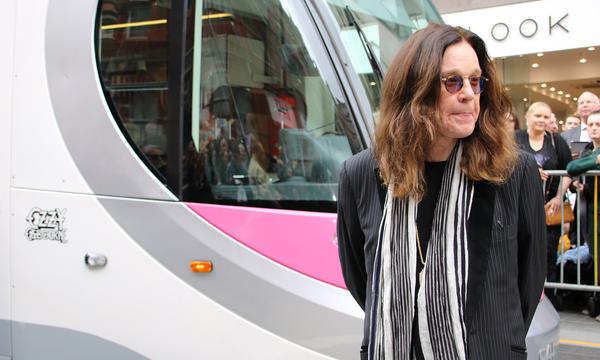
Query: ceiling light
point(567, 95)
point(543, 85)
point(574, 98)
point(536, 65)
point(134, 24)
point(561, 122)
point(560, 92)
point(552, 88)
point(525, 99)
point(583, 60)
point(372, 83)
point(540, 54)
point(505, 89)
point(591, 48)
point(216, 16)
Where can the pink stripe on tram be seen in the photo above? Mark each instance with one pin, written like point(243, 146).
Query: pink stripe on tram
point(300, 240)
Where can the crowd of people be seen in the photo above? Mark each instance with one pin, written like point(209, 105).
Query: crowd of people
point(554, 149)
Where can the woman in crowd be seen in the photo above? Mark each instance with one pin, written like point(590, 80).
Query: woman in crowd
point(551, 152)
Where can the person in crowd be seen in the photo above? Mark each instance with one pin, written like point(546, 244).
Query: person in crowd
point(441, 224)
point(157, 157)
point(257, 173)
point(553, 124)
point(196, 173)
point(589, 160)
point(551, 152)
point(586, 103)
point(258, 164)
point(237, 168)
point(571, 122)
point(220, 160)
point(512, 122)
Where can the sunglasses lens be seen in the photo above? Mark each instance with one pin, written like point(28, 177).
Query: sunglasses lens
point(475, 84)
point(454, 83)
point(482, 82)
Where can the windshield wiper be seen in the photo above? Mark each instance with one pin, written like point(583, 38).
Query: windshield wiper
point(366, 45)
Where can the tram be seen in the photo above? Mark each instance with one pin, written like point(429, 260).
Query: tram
point(169, 175)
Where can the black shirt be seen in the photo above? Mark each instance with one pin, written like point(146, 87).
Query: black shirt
point(554, 155)
point(434, 172)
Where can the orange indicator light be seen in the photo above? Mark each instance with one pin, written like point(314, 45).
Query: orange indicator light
point(201, 266)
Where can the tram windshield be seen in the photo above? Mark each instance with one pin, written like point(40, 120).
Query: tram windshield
point(365, 25)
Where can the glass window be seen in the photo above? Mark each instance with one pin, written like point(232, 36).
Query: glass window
point(265, 120)
point(271, 130)
point(382, 22)
point(132, 48)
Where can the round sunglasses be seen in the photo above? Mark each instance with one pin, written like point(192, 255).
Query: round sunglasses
point(454, 83)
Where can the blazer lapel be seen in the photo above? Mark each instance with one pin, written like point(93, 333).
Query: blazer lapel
point(480, 227)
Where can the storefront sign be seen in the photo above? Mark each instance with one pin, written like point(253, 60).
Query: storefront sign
point(527, 28)
point(540, 26)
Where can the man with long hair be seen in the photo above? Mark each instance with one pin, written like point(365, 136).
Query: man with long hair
point(441, 224)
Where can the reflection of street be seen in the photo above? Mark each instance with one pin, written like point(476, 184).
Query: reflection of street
point(579, 336)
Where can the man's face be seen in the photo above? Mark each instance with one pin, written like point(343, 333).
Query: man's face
point(553, 124)
point(571, 122)
point(593, 127)
point(460, 110)
point(586, 103)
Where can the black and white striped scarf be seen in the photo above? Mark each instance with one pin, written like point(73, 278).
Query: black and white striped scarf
point(442, 296)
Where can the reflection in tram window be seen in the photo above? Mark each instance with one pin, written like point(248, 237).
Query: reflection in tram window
point(133, 63)
point(265, 122)
point(261, 89)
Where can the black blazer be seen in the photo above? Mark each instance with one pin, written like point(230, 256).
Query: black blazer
point(507, 252)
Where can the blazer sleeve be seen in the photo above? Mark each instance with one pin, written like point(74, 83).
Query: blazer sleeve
point(351, 240)
point(531, 240)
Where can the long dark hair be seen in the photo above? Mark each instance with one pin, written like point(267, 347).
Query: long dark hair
point(410, 117)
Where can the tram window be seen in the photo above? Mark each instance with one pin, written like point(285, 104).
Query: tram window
point(265, 121)
point(132, 48)
point(270, 131)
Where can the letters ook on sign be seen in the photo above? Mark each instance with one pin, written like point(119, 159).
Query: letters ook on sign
point(527, 28)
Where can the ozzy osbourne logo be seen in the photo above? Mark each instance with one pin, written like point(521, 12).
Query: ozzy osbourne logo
point(46, 225)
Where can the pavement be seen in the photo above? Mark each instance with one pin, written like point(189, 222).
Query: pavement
point(579, 336)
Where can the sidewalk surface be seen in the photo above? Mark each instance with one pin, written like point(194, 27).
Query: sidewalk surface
point(579, 336)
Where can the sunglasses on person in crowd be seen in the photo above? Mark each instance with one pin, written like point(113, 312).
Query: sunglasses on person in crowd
point(454, 83)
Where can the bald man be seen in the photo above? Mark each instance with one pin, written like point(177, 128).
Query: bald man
point(586, 103)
